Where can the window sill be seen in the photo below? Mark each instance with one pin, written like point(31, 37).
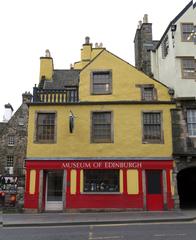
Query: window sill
point(100, 193)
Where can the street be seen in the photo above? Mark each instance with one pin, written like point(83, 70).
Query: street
point(159, 231)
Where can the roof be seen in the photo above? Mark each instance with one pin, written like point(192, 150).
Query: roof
point(175, 20)
point(62, 78)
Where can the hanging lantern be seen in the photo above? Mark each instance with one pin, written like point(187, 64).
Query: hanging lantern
point(71, 122)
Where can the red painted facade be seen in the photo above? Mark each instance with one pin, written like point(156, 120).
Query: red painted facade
point(94, 200)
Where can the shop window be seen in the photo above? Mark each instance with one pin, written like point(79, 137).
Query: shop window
point(187, 32)
point(101, 127)
point(152, 127)
point(191, 122)
point(101, 82)
point(101, 181)
point(11, 140)
point(45, 127)
point(188, 68)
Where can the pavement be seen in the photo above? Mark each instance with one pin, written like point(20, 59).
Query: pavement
point(94, 218)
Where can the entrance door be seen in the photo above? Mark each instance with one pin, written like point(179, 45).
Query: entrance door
point(154, 190)
point(54, 191)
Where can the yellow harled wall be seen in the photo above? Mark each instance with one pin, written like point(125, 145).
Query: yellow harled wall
point(127, 118)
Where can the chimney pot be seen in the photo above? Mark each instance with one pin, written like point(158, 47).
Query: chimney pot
point(145, 18)
point(87, 40)
point(47, 53)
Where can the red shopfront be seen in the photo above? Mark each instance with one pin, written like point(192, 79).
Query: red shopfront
point(61, 185)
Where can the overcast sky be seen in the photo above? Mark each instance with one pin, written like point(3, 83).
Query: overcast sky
point(28, 27)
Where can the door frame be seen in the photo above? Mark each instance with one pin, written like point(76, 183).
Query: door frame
point(60, 205)
point(155, 198)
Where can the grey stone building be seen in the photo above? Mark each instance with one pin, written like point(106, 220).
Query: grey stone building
point(13, 138)
point(184, 116)
point(143, 44)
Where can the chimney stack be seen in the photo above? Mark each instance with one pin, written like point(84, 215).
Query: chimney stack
point(8, 112)
point(46, 66)
point(145, 18)
point(26, 97)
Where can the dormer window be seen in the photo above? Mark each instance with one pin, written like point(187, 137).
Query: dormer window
point(101, 82)
point(148, 92)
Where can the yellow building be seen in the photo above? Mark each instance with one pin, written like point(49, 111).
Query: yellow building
point(99, 136)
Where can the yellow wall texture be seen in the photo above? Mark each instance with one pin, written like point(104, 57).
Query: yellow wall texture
point(127, 118)
point(124, 80)
point(127, 122)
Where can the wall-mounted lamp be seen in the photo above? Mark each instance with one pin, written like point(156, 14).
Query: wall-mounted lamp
point(71, 122)
point(173, 29)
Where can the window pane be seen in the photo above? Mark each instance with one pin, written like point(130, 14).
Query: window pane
point(45, 126)
point(101, 82)
point(152, 126)
point(191, 122)
point(101, 127)
point(11, 140)
point(148, 93)
point(187, 29)
point(101, 180)
point(10, 161)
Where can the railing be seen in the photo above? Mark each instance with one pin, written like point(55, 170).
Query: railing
point(67, 95)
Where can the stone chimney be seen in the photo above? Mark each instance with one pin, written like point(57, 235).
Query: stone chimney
point(26, 97)
point(46, 66)
point(8, 112)
point(145, 18)
point(86, 50)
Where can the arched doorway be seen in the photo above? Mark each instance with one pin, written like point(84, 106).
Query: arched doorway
point(186, 180)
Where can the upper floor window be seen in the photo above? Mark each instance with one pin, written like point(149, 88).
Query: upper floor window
point(101, 82)
point(101, 127)
point(152, 127)
point(45, 127)
point(165, 46)
point(187, 32)
point(11, 140)
point(10, 161)
point(188, 68)
point(148, 93)
point(191, 122)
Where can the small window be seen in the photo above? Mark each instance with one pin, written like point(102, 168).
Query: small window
point(187, 32)
point(188, 68)
point(191, 122)
point(165, 46)
point(101, 127)
point(152, 129)
point(101, 82)
point(10, 161)
point(45, 127)
point(21, 121)
point(148, 93)
point(11, 140)
point(101, 181)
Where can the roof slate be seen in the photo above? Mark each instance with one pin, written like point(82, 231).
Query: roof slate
point(62, 78)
